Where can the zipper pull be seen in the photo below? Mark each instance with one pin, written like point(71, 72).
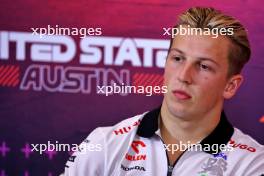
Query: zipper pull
point(170, 169)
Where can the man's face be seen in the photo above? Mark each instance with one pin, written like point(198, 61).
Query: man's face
point(196, 74)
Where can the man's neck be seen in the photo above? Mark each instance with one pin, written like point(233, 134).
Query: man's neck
point(175, 129)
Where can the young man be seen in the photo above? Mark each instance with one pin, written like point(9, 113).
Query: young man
point(201, 71)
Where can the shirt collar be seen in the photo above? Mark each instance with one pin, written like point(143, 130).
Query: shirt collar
point(220, 135)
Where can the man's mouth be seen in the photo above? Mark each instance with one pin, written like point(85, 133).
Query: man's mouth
point(181, 95)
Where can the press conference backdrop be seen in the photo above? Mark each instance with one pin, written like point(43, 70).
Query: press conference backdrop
point(48, 84)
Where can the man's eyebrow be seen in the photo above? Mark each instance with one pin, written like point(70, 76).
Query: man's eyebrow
point(176, 49)
point(199, 58)
point(208, 59)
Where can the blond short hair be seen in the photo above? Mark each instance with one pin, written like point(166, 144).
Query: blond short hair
point(203, 17)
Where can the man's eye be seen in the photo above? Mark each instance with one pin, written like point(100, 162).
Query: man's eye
point(204, 67)
point(176, 58)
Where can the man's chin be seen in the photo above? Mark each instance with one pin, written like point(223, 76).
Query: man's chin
point(178, 109)
point(180, 112)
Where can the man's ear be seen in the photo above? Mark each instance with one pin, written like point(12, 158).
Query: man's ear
point(232, 86)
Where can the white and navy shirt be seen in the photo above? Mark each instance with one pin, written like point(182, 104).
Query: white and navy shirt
point(134, 147)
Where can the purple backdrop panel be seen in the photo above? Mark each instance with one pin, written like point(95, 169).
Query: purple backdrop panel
point(48, 85)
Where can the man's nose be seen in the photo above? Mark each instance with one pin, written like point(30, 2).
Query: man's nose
point(185, 73)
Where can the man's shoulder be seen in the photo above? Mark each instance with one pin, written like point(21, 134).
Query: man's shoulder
point(112, 140)
point(246, 147)
point(245, 142)
point(122, 128)
point(247, 153)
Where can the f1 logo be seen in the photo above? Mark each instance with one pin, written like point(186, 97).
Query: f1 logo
point(135, 145)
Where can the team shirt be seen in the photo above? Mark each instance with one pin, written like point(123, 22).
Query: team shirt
point(134, 147)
